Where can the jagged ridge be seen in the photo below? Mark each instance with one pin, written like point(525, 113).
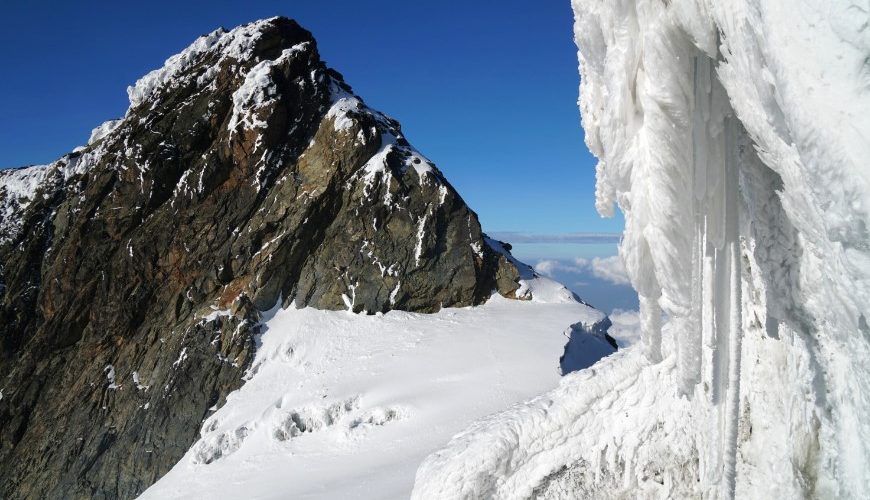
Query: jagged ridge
point(133, 270)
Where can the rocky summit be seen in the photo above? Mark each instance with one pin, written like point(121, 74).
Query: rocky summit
point(135, 271)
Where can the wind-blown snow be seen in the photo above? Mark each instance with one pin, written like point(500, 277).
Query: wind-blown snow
point(733, 136)
point(339, 405)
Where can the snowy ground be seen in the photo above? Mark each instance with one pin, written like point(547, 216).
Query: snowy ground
point(339, 405)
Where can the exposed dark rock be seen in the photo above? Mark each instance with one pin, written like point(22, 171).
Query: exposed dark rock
point(133, 271)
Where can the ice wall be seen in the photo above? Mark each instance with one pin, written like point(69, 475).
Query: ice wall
point(734, 135)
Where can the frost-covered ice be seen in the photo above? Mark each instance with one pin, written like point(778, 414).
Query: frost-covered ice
point(733, 135)
point(339, 405)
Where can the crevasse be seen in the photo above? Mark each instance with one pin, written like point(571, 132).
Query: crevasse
point(733, 135)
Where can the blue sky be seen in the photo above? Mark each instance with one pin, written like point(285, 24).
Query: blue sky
point(486, 89)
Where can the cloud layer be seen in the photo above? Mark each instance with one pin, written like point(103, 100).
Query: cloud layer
point(518, 237)
point(608, 269)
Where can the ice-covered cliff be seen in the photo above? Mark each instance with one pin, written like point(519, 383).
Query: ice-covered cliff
point(733, 135)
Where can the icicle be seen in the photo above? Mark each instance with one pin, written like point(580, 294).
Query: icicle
point(700, 115)
point(651, 328)
point(732, 410)
point(708, 324)
point(690, 335)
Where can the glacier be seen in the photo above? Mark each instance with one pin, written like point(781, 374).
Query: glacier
point(343, 405)
point(733, 136)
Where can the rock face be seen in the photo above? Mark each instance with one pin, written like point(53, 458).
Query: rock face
point(133, 271)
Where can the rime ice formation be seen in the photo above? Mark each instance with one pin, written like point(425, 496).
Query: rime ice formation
point(733, 135)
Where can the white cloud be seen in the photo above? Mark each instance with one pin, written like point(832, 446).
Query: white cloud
point(549, 267)
point(610, 269)
point(546, 267)
point(606, 268)
point(625, 328)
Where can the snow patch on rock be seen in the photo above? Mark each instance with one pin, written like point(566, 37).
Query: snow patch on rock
point(103, 130)
point(17, 190)
point(259, 90)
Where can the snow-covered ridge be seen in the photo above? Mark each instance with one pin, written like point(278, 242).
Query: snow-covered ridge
point(103, 130)
point(236, 44)
point(255, 93)
point(21, 184)
point(142, 90)
point(346, 108)
point(732, 134)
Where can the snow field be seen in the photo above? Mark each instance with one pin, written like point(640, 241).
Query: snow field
point(338, 405)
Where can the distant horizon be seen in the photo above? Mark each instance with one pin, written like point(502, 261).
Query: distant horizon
point(579, 237)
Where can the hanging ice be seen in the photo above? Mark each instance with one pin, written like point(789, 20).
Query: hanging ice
point(733, 135)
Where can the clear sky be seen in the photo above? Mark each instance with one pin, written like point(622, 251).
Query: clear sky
point(487, 89)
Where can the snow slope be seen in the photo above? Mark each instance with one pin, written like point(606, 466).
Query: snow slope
point(734, 137)
point(339, 405)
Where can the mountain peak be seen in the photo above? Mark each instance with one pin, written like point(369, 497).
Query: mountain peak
point(245, 173)
point(241, 47)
